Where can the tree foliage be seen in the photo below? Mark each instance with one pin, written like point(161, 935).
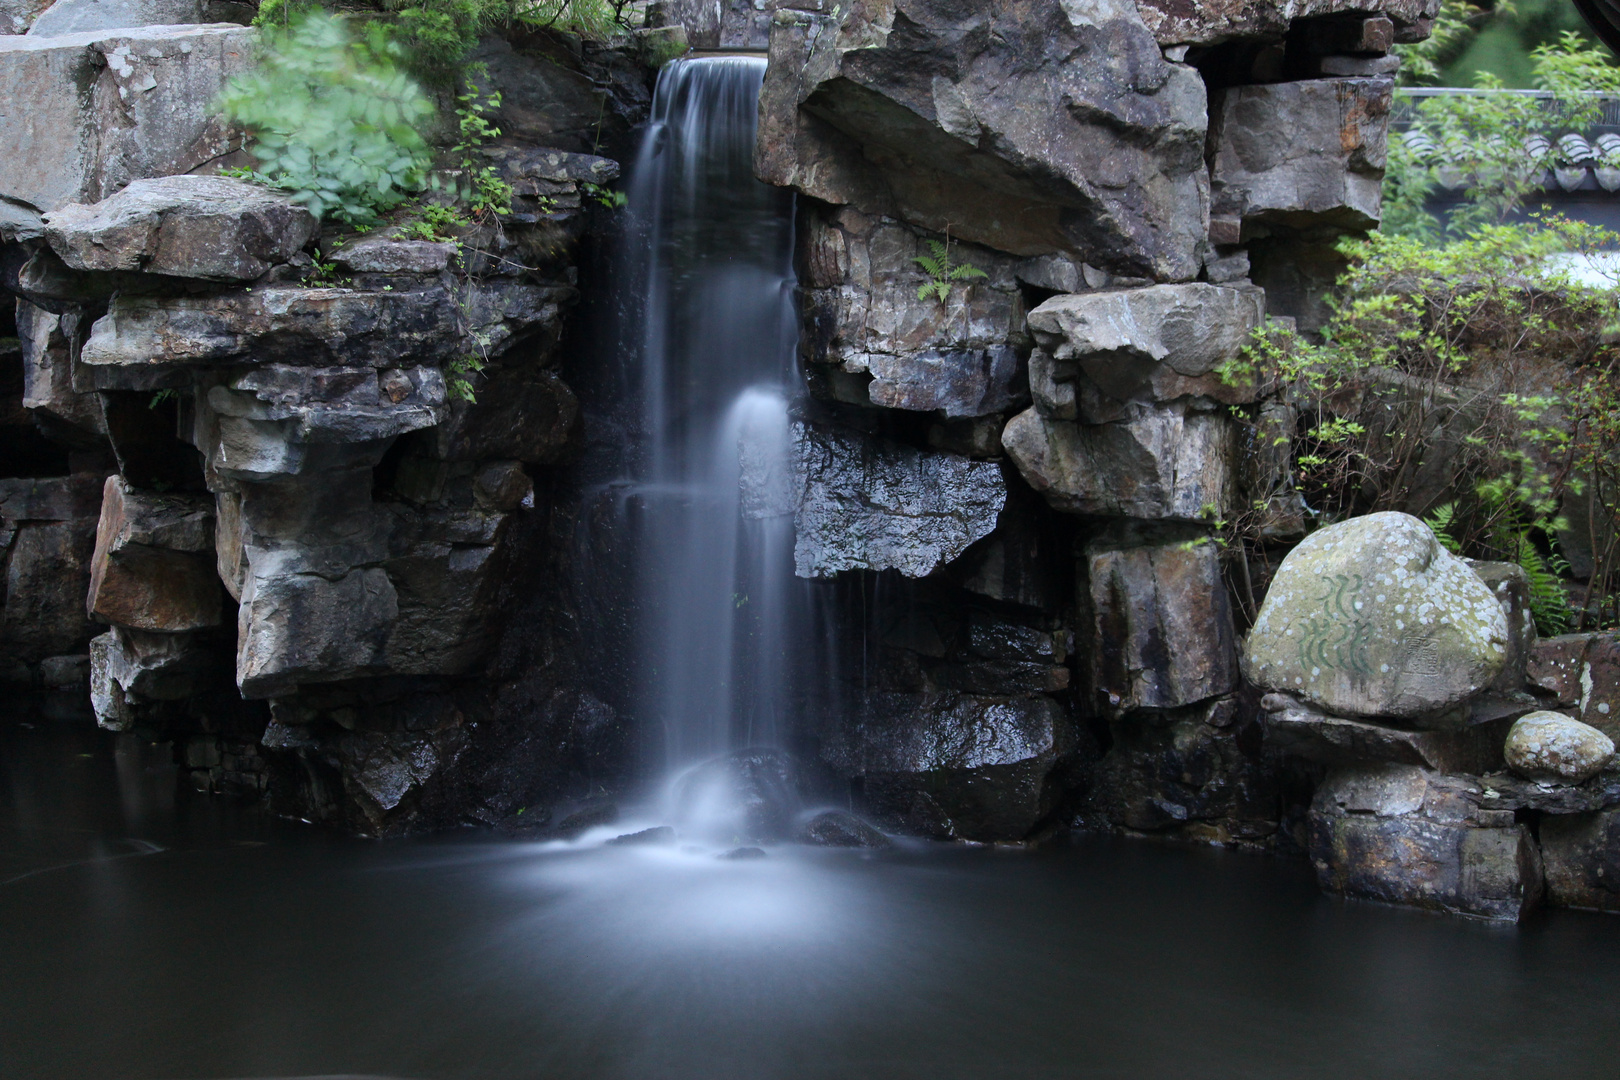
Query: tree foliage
point(334, 117)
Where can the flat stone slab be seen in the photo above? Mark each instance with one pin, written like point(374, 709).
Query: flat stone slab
point(208, 227)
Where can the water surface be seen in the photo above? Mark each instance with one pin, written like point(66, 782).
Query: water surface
point(149, 934)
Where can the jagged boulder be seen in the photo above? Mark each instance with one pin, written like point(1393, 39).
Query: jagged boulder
point(1301, 154)
point(206, 227)
point(1119, 337)
point(1172, 461)
point(1403, 835)
point(1027, 125)
point(153, 567)
point(1372, 617)
point(872, 504)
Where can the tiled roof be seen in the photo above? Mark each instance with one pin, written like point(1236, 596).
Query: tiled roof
point(1575, 162)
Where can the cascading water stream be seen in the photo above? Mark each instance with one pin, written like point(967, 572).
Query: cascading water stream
point(711, 330)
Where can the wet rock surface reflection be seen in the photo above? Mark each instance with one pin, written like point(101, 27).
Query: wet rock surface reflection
point(149, 935)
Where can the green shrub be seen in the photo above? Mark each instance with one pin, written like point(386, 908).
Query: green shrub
point(335, 118)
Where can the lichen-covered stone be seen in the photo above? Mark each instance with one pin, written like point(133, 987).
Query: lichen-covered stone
point(872, 504)
point(1600, 684)
point(206, 227)
point(1372, 617)
point(1552, 748)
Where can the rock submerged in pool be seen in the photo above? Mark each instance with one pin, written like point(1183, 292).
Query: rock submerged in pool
point(839, 828)
point(1549, 747)
point(742, 853)
point(747, 795)
point(657, 836)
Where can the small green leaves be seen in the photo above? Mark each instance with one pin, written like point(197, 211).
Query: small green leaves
point(942, 271)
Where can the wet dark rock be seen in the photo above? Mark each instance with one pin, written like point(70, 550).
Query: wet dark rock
point(47, 540)
point(1162, 633)
point(1555, 666)
point(954, 765)
point(874, 504)
point(658, 835)
point(1600, 685)
point(1504, 791)
point(1405, 835)
point(1582, 857)
point(206, 227)
point(1197, 774)
point(839, 828)
point(750, 794)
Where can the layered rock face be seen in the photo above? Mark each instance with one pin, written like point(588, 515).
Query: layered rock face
point(1025, 235)
point(296, 563)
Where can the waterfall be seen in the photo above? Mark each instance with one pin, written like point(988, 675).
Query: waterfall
point(710, 330)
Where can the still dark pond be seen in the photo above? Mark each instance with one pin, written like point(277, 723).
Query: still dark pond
point(149, 935)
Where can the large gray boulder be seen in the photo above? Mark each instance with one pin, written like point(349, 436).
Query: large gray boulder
point(1301, 154)
point(1031, 126)
point(1162, 633)
point(92, 112)
point(872, 504)
point(206, 227)
point(80, 16)
point(1372, 617)
point(1551, 748)
point(1171, 461)
point(1403, 835)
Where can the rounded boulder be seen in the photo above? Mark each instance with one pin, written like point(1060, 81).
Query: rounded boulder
point(1372, 617)
point(1549, 747)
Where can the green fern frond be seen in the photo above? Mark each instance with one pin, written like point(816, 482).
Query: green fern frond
point(1442, 519)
